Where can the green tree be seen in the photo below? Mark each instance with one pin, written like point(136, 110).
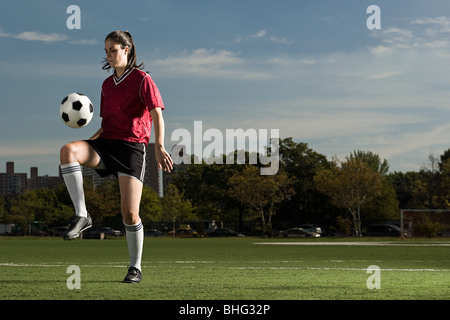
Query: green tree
point(205, 186)
point(385, 205)
point(64, 209)
point(175, 207)
point(307, 205)
point(279, 189)
point(409, 189)
point(150, 208)
point(260, 193)
point(445, 185)
point(372, 160)
point(102, 201)
point(350, 184)
point(24, 209)
point(431, 183)
point(3, 211)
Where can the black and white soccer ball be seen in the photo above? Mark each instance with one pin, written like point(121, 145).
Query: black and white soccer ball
point(76, 110)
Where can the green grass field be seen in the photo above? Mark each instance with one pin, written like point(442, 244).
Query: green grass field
point(226, 269)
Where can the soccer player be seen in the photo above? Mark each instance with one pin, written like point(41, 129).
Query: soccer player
point(130, 103)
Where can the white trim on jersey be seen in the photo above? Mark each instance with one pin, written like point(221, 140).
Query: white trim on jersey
point(140, 88)
point(122, 77)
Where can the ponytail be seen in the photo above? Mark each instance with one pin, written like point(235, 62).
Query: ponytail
point(124, 39)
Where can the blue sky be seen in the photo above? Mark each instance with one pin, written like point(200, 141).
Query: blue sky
point(311, 69)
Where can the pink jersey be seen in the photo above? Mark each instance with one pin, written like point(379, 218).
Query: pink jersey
point(125, 106)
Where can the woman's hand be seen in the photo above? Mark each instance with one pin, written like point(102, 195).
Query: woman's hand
point(163, 159)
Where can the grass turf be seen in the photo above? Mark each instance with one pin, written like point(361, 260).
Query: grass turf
point(225, 269)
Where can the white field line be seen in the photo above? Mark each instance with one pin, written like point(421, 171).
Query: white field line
point(379, 244)
point(175, 264)
point(340, 269)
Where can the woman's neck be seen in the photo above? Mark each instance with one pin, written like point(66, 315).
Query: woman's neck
point(119, 71)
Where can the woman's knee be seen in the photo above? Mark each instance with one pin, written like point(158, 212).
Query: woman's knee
point(81, 152)
point(130, 217)
point(68, 153)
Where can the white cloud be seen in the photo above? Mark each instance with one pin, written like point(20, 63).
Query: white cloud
point(263, 35)
point(259, 34)
point(282, 40)
point(380, 50)
point(385, 75)
point(4, 34)
point(45, 37)
point(417, 140)
point(37, 36)
point(443, 22)
point(420, 33)
point(208, 63)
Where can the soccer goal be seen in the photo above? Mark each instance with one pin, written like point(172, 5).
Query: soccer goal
point(424, 222)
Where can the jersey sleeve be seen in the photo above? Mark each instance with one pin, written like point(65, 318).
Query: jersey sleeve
point(150, 94)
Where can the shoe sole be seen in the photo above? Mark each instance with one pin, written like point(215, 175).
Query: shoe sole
point(77, 235)
point(131, 281)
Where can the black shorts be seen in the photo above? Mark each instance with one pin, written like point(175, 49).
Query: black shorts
point(120, 157)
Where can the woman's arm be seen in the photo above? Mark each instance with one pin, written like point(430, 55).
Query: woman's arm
point(163, 158)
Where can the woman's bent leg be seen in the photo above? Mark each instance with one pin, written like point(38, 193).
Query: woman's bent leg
point(72, 155)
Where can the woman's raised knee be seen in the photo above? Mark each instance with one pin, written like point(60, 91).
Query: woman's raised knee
point(68, 153)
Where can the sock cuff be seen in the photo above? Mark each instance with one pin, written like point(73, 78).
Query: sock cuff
point(70, 168)
point(133, 227)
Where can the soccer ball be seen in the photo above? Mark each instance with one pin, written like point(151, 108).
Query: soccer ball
point(76, 110)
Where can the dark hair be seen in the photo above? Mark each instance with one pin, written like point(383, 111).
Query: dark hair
point(124, 39)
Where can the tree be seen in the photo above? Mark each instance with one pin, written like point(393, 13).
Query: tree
point(3, 212)
point(307, 205)
point(24, 208)
point(279, 187)
point(349, 184)
point(372, 160)
point(445, 186)
point(150, 208)
point(102, 201)
point(175, 208)
point(205, 186)
point(385, 205)
point(260, 192)
point(431, 176)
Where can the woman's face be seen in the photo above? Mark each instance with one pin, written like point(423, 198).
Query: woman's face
point(116, 56)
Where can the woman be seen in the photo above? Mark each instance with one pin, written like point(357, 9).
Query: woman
point(130, 103)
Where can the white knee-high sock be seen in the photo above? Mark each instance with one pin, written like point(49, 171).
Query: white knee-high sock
point(73, 178)
point(135, 241)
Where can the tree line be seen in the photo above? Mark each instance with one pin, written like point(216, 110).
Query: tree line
point(341, 196)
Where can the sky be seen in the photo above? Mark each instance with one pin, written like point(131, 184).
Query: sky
point(311, 69)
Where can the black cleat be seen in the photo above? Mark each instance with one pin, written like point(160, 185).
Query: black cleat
point(134, 275)
point(77, 226)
